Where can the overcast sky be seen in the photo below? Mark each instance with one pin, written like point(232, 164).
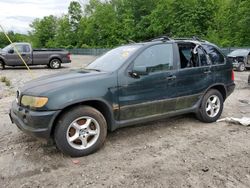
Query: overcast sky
point(16, 15)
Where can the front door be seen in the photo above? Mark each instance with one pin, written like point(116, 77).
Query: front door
point(13, 58)
point(151, 93)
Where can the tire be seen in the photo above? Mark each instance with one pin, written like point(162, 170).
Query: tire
point(2, 65)
point(55, 63)
point(80, 131)
point(211, 107)
point(241, 67)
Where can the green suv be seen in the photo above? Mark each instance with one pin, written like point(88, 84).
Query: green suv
point(131, 84)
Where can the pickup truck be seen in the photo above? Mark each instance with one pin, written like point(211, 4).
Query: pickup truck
point(53, 58)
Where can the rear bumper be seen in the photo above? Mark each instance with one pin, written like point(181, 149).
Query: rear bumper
point(230, 88)
point(35, 123)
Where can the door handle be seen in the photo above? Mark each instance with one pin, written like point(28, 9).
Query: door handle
point(23, 54)
point(172, 77)
point(207, 72)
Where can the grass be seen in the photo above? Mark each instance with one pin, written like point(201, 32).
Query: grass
point(5, 80)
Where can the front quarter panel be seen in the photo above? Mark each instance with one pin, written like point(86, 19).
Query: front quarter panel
point(104, 90)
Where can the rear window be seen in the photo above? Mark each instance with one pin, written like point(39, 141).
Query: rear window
point(214, 54)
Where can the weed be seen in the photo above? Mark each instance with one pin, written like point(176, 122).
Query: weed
point(5, 80)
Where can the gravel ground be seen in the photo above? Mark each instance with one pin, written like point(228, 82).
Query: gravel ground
point(175, 152)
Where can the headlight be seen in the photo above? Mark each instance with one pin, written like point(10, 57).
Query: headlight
point(35, 102)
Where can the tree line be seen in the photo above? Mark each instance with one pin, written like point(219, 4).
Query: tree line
point(105, 24)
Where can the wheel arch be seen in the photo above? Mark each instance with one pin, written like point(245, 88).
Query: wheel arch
point(2, 60)
point(55, 57)
point(221, 88)
point(99, 105)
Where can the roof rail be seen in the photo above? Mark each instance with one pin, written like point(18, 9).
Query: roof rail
point(193, 38)
point(161, 38)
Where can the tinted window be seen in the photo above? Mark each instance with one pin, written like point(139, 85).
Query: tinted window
point(202, 57)
point(156, 58)
point(26, 48)
point(19, 48)
point(113, 59)
point(214, 54)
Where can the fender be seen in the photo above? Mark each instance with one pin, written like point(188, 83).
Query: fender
point(224, 95)
point(111, 121)
point(55, 57)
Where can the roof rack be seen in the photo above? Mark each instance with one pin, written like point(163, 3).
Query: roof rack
point(161, 38)
point(193, 38)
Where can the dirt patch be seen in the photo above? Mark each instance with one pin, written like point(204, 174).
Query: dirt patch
point(175, 152)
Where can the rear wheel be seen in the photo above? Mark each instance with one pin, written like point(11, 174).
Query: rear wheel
point(2, 65)
point(241, 67)
point(81, 131)
point(211, 106)
point(55, 64)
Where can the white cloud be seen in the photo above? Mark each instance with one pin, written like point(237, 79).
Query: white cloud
point(16, 15)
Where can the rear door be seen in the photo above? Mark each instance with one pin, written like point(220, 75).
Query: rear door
point(222, 71)
point(193, 80)
point(150, 94)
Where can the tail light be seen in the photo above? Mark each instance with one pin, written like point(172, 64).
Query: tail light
point(68, 56)
point(232, 76)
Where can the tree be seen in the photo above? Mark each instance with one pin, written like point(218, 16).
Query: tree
point(63, 37)
point(113, 22)
point(44, 31)
point(15, 37)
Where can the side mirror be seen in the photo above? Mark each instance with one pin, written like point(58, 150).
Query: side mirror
point(11, 51)
point(139, 71)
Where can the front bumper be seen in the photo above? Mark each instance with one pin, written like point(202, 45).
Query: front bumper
point(36, 123)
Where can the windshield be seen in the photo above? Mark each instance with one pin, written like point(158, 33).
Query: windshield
point(7, 48)
point(239, 53)
point(113, 59)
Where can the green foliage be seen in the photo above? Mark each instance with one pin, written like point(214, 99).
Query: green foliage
point(44, 31)
point(114, 22)
point(15, 37)
point(5, 80)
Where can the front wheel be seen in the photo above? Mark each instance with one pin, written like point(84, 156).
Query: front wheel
point(241, 67)
point(55, 64)
point(211, 106)
point(81, 131)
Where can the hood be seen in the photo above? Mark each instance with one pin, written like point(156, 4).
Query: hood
point(239, 52)
point(47, 84)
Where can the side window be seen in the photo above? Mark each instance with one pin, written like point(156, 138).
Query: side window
point(26, 48)
point(202, 57)
point(214, 54)
point(19, 48)
point(156, 58)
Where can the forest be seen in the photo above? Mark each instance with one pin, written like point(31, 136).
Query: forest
point(106, 24)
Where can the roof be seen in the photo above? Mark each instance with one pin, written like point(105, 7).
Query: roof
point(23, 43)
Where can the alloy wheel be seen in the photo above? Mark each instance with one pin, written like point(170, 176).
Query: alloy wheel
point(83, 133)
point(213, 106)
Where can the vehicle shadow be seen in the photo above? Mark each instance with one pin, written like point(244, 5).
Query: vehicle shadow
point(34, 68)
